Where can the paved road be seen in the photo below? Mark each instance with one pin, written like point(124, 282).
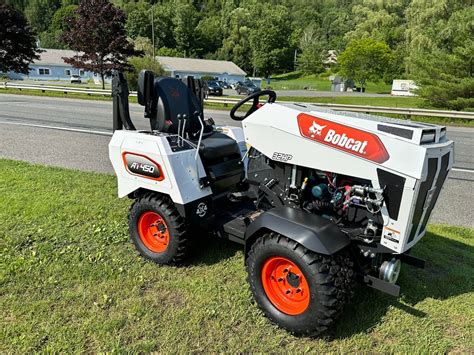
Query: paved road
point(22, 137)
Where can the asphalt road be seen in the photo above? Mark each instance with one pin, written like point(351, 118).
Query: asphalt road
point(26, 134)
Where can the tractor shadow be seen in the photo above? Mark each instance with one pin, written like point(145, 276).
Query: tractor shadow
point(448, 272)
point(208, 249)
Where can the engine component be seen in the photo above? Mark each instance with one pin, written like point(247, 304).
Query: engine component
point(370, 231)
point(320, 191)
point(390, 270)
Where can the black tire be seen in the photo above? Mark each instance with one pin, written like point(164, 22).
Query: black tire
point(178, 243)
point(330, 280)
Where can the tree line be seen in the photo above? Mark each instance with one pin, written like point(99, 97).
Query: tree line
point(430, 41)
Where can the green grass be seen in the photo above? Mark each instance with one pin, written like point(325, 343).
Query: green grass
point(298, 81)
point(70, 281)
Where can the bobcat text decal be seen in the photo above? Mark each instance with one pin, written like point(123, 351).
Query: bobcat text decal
point(141, 165)
point(342, 137)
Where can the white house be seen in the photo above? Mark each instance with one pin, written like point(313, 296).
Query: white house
point(184, 67)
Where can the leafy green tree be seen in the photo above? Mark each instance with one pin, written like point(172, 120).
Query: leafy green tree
point(310, 60)
point(185, 21)
point(169, 52)
point(441, 42)
point(59, 23)
point(269, 40)
point(40, 13)
point(365, 60)
point(209, 34)
point(17, 41)
point(236, 45)
point(139, 63)
point(138, 23)
point(97, 33)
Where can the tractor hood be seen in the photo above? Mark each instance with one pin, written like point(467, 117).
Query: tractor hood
point(336, 141)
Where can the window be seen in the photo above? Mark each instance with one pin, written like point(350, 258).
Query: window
point(44, 71)
point(67, 72)
point(177, 76)
point(81, 72)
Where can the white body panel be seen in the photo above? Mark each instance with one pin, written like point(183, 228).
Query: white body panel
point(180, 169)
point(274, 129)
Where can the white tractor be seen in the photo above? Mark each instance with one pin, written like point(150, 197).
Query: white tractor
point(319, 199)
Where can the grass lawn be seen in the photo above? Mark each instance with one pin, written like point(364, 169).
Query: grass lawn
point(298, 81)
point(71, 282)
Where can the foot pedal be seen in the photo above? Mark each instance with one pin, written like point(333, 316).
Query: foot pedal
point(242, 195)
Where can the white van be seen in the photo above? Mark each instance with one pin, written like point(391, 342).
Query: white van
point(403, 88)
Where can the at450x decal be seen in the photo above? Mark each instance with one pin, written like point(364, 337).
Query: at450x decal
point(141, 165)
point(342, 137)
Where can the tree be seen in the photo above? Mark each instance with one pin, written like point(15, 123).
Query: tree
point(236, 45)
point(17, 41)
point(441, 42)
point(365, 60)
point(138, 64)
point(40, 13)
point(59, 23)
point(310, 60)
point(185, 22)
point(269, 40)
point(97, 32)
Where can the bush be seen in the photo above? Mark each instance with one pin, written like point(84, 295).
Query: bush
point(138, 64)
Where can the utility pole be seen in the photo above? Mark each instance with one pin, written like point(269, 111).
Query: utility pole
point(153, 32)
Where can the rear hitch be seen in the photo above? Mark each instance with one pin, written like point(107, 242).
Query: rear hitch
point(381, 285)
point(411, 260)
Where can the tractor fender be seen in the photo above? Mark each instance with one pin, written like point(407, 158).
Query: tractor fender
point(312, 231)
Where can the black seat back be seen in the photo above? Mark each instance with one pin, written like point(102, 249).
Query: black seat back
point(175, 98)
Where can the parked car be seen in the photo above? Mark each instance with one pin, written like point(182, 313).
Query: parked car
point(246, 88)
point(213, 88)
point(223, 84)
point(75, 78)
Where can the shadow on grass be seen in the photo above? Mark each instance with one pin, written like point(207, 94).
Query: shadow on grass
point(446, 274)
point(208, 249)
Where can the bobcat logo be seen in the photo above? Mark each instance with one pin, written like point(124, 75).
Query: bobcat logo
point(315, 129)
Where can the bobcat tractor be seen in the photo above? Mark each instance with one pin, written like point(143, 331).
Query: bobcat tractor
point(320, 200)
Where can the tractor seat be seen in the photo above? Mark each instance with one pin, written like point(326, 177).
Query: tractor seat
point(218, 145)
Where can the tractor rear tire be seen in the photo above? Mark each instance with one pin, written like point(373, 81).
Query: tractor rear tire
point(157, 229)
point(299, 290)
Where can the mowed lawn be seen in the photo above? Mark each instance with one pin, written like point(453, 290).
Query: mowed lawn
point(70, 281)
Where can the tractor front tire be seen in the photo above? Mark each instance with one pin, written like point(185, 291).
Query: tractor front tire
point(301, 291)
point(157, 229)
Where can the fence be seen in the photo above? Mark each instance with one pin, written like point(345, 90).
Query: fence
point(408, 112)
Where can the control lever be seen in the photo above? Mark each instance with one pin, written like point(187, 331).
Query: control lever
point(185, 117)
point(197, 114)
point(179, 117)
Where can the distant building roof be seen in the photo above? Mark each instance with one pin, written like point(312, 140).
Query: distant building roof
point(200, 65)
point(54, 56)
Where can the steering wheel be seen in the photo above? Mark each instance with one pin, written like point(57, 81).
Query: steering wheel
point(255, 105)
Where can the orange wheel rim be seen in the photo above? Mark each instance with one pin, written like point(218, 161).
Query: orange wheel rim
point(285, 285)
point(153, 232)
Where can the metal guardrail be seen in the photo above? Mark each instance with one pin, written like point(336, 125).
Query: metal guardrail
point(231, 101)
